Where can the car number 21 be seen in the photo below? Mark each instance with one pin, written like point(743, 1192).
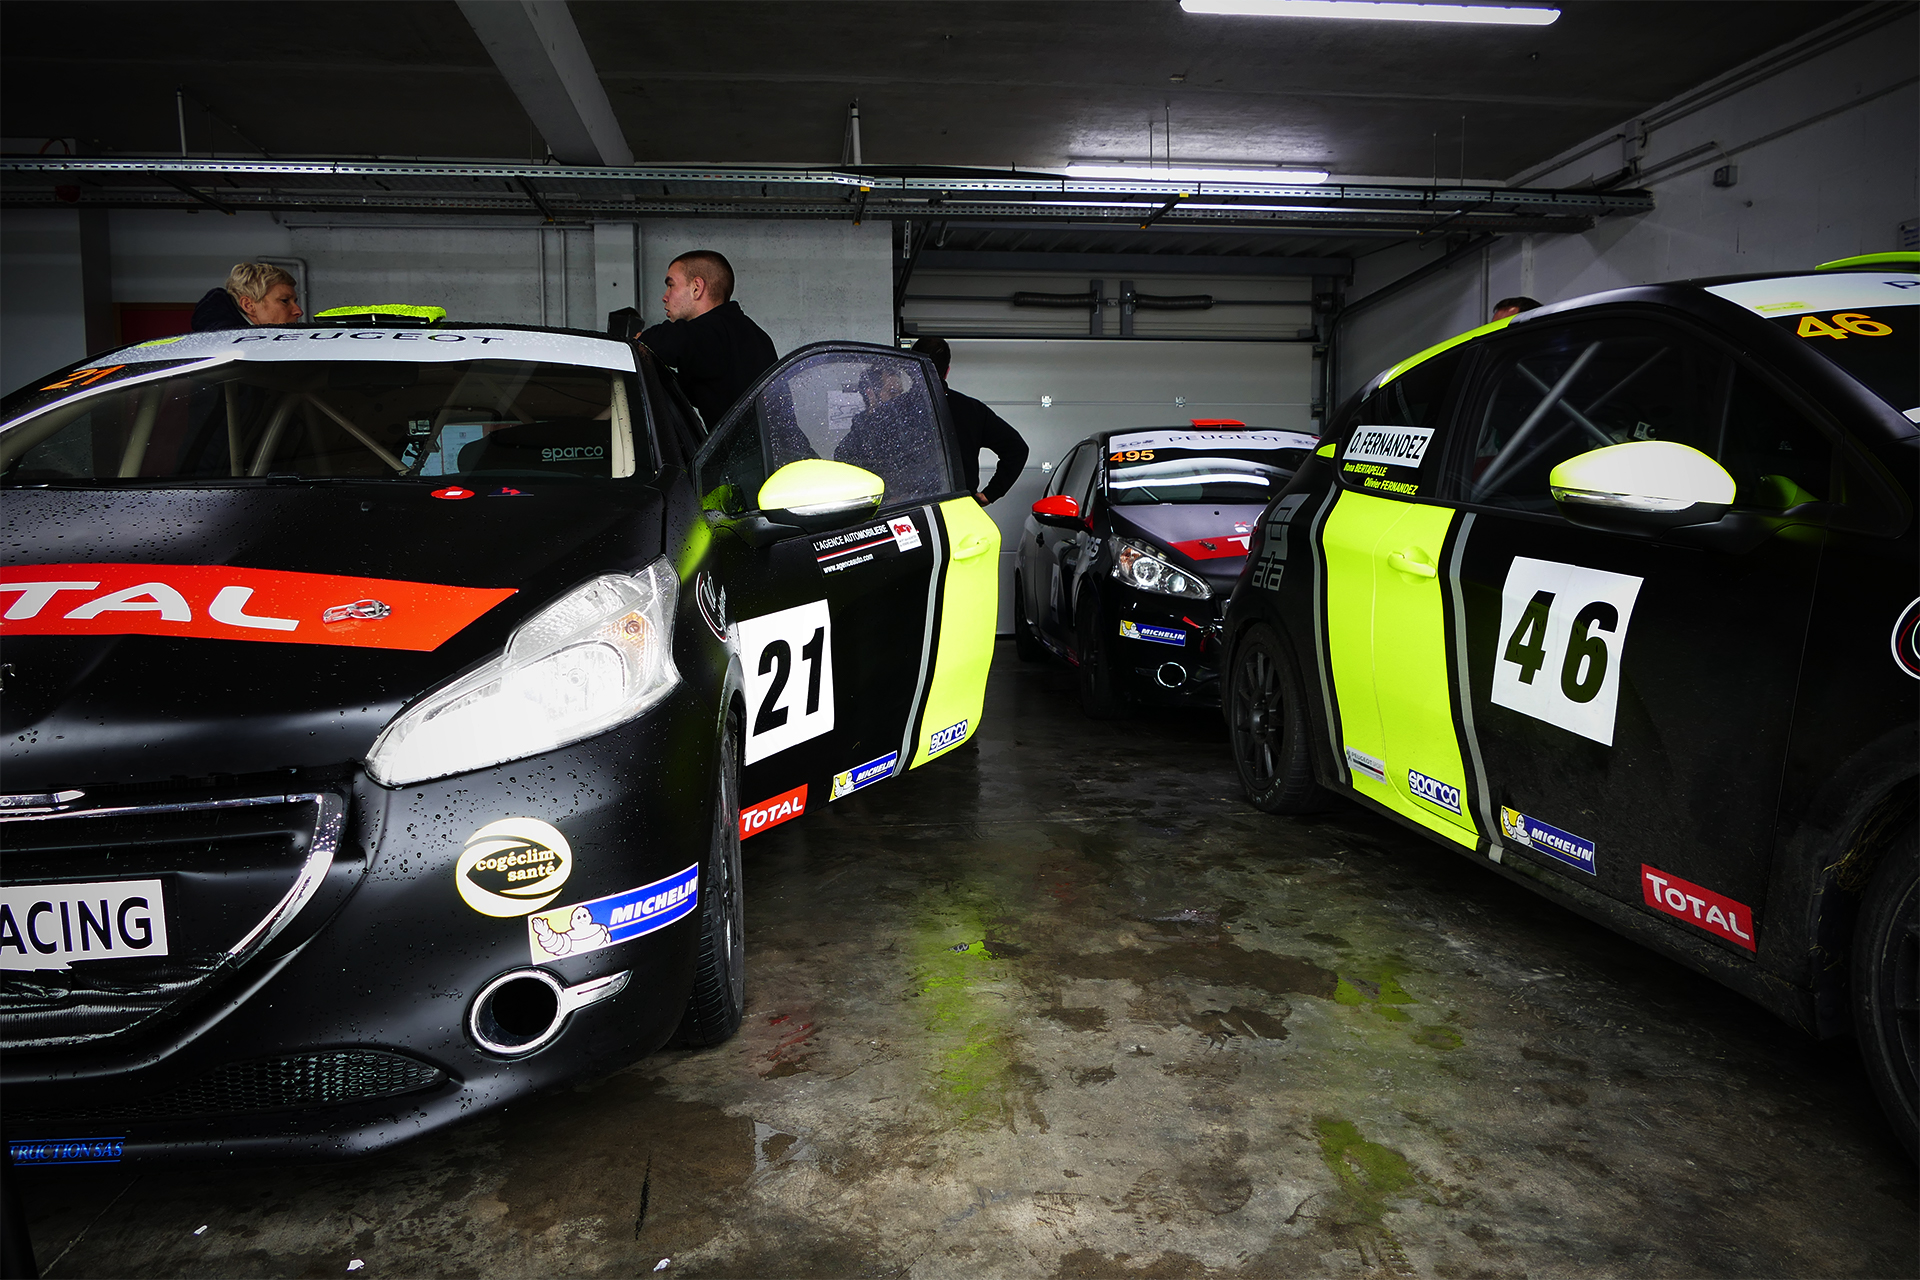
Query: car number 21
point(1563, 631)
point(788, 662)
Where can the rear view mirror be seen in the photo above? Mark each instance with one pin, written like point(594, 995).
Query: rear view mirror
point(1060, 511)
point(816, 494)
point(1643, 484)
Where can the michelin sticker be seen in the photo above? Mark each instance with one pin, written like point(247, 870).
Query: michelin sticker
point(1363, 763)
point(1575, 851)
point(864, 775)
point(1433, 791)
point(513, 866)
point(1159, 635)
point(952, 735)
point(616, 918)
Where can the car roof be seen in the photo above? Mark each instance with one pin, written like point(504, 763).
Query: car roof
point(1305, 439)
point(385, 341)
point(1708, 297)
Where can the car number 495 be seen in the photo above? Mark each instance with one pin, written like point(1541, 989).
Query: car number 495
point(1563, 632)
point(788, 661)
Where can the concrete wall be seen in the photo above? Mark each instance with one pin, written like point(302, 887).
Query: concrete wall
point(42, 313)
point(803, 281)
point(1828, 157)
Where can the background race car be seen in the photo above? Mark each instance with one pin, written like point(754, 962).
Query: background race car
point(1125, 565)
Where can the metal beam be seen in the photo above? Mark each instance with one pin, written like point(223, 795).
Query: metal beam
point(1186, 264)
point(539, 51)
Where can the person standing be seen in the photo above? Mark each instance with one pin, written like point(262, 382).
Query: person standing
point(707, 339)
point(978, 427)
point(255, 293)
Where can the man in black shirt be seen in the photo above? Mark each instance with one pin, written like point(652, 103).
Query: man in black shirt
point(707, 339)
point(978, 428)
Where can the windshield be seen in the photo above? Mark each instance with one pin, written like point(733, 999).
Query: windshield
point(1875, 344)
point(198, 420)
point(1242, 467)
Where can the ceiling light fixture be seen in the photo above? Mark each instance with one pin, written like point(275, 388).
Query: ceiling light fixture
point(1193, 174)
point(1378, 10)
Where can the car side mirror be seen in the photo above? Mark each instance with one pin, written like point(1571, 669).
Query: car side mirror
point(1641, 485)
point(816, 494)
point(1060, 511)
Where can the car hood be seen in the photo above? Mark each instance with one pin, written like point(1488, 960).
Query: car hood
point(100, 709)
point(1209, 537)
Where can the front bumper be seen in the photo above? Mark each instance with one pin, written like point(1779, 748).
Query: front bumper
point(348, 1031)
point(1162, 649)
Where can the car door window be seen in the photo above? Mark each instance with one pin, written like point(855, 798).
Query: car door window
point(1547, 397)
point(1778, 458)
point(1390, 448)
point(870, 408)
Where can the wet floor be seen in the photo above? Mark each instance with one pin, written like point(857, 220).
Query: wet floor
point(1064, 1005)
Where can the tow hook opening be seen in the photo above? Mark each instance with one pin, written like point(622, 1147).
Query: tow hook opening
point(1171, 675)
point(516, 1013)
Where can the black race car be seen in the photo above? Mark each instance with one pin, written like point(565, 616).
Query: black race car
point(1126, 563)
point(1619, 597)
point(385, 704)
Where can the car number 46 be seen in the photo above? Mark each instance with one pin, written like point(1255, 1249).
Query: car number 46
point(788, 661)
point(1563, 632)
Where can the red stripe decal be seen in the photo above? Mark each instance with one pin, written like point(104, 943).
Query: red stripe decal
point(1229, 544)
point(215, 602)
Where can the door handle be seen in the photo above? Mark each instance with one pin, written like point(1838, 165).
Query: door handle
point(1404, 561)
point(971, 547)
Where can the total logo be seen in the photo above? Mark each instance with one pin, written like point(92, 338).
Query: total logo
point(1722, 917)
point(771, 813)
point(513, 866)
point(221, 602)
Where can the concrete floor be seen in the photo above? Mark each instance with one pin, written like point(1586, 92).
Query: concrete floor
point(1066, 1006)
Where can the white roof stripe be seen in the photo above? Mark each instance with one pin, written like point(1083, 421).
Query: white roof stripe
point(376, 342)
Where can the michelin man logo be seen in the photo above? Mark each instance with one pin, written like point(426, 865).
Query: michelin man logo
point(513, 866)
point(583, 934)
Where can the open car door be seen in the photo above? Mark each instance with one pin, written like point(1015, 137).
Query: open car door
point(849, 572)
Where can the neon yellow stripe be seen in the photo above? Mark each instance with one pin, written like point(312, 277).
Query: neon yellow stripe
point(417, 313)
point(1411, 677)
point(969, 605)
point(1352, 529)
point(1437, 348)
point(1908, 259)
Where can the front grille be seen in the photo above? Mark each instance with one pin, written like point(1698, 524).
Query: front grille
point(230, 874)
point(272, 1084)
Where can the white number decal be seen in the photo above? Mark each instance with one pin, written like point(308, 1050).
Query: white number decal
point(788, 658)
point(1563, 630)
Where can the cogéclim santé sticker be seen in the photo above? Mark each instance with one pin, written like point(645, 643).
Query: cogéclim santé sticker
point(513, 866)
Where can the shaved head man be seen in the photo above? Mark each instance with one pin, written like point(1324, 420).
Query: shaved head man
point(707, 339)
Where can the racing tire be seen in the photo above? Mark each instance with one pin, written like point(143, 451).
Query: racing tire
point(1268, 724)
point(1886, 984)
point(1025, 643)
point(1099, 699)
point(718, 999)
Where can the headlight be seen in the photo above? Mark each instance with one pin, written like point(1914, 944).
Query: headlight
point(1137, 565)
point(597, 656)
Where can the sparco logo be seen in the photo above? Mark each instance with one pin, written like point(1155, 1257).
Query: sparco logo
point(1395, 446)
point(1433, 791)
point(573, 452)
point(513, 866)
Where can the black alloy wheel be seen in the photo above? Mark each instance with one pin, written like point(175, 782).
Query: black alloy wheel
point(720, 969)
point(1886, 984)
point(1098, 696)
point(1267, 721)
point(1025, 643)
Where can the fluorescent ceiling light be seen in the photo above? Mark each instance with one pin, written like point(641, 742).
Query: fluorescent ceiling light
point(1378, 10)
point(1190, 174)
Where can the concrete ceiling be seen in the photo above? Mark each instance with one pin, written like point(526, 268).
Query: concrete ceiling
point(972, 82)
